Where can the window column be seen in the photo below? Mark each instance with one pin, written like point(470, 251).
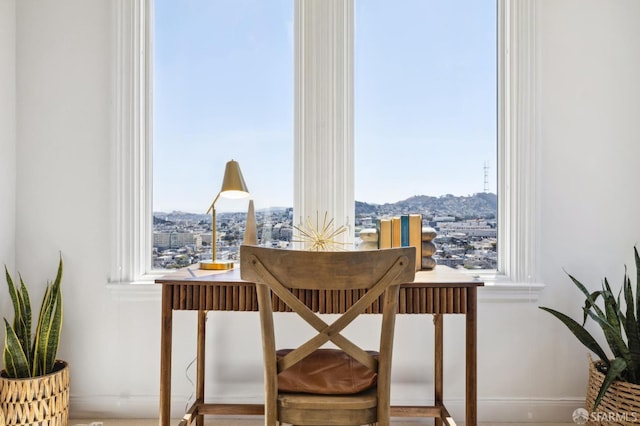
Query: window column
point(517, 142)
point(323, 133)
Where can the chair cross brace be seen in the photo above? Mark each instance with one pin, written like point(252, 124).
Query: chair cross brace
point(329, 332)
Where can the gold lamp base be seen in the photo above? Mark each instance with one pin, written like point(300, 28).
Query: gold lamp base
point(216, 265)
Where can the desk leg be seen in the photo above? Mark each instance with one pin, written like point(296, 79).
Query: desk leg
point(165, 356)
point(202, 323)
point(438, 365)
point(471, 357)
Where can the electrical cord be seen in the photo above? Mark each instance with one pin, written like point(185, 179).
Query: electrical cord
point(188, 377)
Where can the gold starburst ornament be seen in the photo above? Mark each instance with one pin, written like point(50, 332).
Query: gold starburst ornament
point(320, 238)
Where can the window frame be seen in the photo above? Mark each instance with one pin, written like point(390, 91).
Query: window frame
point(517, 153)
point(131, 155)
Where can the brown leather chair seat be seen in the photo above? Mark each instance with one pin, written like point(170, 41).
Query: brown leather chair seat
point(326, 372)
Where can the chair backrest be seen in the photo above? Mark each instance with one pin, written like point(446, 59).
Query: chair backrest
point(365, 274)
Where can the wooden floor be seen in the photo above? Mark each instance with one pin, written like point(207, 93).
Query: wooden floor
point(258, 422)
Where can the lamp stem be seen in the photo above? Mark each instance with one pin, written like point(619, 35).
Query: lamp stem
point(213, 232)
point(213, 227)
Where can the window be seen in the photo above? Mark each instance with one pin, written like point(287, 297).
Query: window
point(516, 146)
point(425, 120)
point(223, 86)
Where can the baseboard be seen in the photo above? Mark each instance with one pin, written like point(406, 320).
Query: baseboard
point(520, 410)
point(137, 407)
point(501, 410)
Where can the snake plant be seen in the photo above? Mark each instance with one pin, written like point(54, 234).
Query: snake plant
point(620, 324)
point(22, 356)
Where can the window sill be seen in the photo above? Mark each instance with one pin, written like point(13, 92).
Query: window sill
point(500, 288)
point(497, 288)
point(510, 292)
point(143, 289)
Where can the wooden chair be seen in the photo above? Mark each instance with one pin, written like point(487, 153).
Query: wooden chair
point(366, 276)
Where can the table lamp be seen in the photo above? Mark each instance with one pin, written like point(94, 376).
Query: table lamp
point(233, 186)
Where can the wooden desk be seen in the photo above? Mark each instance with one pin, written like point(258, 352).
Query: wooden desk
point(437, 292)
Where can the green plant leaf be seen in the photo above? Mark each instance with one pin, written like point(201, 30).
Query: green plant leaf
point(17, 304)
point(637, 259)
point(14, 358)
point(52, 338)
point(611, 307)
point(22, 313)
point(631, 329)
point(42, 332)
point(49, 327)
point(37, 364)
point(612, 331)
point(26, 319)
point(581, 333)
point(583, 289)
point(617, 366)
point(588, 303)
point(614, 338)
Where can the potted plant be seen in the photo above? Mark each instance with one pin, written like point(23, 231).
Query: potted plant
point(34, 385)
point(617, 376)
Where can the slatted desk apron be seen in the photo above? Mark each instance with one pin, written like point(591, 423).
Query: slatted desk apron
point(437, 292)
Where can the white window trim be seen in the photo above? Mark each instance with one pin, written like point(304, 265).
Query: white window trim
point(131, 154)
point(517, 154)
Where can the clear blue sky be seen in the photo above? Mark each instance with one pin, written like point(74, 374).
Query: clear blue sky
point(425, 90)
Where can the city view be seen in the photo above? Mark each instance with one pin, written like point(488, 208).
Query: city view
point(466, 228)
point(423, 118)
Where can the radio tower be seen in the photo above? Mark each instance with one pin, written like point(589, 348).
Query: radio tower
point(486, 177)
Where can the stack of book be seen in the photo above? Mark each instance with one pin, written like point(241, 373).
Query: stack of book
point(402, 231)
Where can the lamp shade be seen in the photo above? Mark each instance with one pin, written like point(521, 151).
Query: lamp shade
point(233, 185)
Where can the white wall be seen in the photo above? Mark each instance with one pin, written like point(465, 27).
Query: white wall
point(530, 367)
point(589, 101)
point(7, 132)
point(64, 117)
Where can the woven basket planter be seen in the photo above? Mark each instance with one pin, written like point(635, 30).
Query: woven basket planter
point(41, 401)
point(619, 406)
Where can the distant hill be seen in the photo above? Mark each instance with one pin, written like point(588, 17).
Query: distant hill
point(481, 205)
point(160, 221)
point(177, 216)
